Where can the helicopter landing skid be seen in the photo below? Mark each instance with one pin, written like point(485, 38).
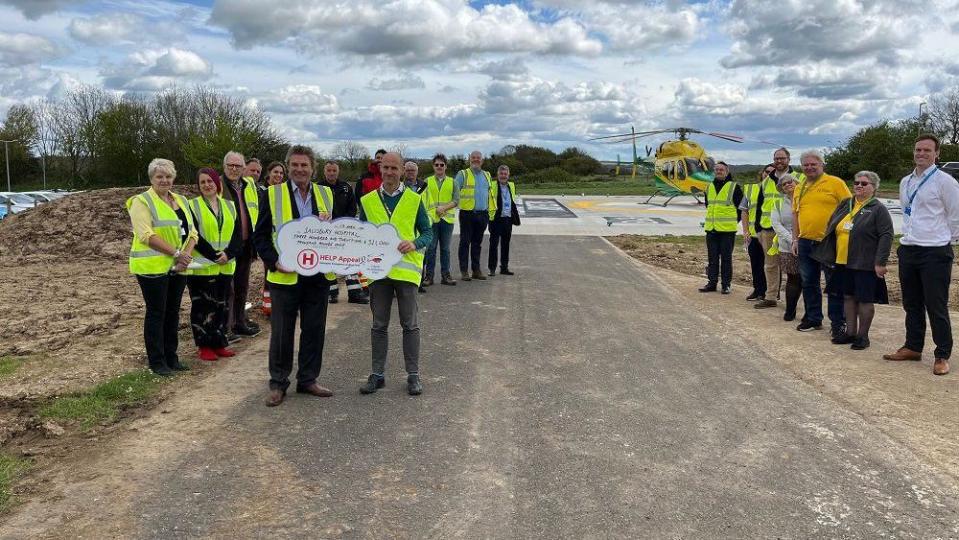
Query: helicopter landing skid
point(672, 195)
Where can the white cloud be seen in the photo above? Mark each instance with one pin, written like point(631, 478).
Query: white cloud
point(106, 29)
point(628, 25)
point(34, 9)
point(407, 81)
point(153, 70)
point(294, 99)
point(19, 49)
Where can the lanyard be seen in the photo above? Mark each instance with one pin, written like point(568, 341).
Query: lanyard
point(924, 180)
point(853, 216)
point(389, 213)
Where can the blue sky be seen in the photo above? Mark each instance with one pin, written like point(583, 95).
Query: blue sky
point(453, 75)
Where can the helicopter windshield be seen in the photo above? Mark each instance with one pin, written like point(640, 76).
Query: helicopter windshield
point(694, 166)
point(710, 164)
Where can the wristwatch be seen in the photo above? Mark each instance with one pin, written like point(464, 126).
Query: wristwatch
point(176, 254)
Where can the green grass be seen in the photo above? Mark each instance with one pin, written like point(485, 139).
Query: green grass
point(9, 364)
point(105, 401)
point(10, 468)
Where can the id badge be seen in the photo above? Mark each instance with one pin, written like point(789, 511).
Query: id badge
point(907, 210)
point(847, 226)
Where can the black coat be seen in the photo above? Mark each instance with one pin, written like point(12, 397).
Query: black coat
point(870, 240)
point(514, 214)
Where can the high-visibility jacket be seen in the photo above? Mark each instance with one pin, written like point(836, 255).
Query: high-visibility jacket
point(721, 214)
point(251, 197)
point(144, 260)
point(437, 195)
point(770, 196)
point(468, 191)
point(494, 197)
point(410, 267)
point(282, 209)
point(217, 232)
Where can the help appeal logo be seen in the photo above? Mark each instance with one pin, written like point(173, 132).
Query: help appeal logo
point(344, 246)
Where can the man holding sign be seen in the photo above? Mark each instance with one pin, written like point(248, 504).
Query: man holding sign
point(293, 294)
point(401, 207)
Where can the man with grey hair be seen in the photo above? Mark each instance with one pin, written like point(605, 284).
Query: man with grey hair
point(502, 216)
point(930, 226)
point(474, 187)
point(243, 192)
point(253, 169)
point(411, 172)
point(814, 201)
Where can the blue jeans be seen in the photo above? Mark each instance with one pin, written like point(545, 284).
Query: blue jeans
point(810, 270)
point(442, 233)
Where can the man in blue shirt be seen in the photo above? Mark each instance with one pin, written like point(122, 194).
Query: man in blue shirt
point(474, 187)
point(503, 215)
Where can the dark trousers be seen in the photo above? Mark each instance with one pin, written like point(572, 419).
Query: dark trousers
point(757, 260)
point(500, 231)
point(382, 292)
point(793, 292)
point(162, 295)
point(208, 309)
point(309, 302)
point(472, 226)
point(924, 275)
point(442, 233)
point(811, 271)
point(241, 287)
point(719, 248)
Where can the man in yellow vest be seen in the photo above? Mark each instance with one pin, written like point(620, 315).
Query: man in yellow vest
point(474, 185)
point(243, 192)
point(757, 208)
point(292, 294)
point(723, 197)
point(503, 214)
point(402, 207)
point(442, 197)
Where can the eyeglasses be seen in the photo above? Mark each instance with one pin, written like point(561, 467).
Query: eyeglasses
point(439, 164)
point(781, 158)
point(863, 184)
point(234, 166)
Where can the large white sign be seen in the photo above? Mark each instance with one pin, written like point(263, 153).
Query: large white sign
point(343, 246)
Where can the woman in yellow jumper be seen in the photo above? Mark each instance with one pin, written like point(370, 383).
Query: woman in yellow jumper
point(857, 243)
point(163, 238)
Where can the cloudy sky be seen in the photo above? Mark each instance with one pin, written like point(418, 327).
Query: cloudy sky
point(453, 75)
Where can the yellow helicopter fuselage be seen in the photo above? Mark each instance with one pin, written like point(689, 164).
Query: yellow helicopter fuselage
point(683, 166)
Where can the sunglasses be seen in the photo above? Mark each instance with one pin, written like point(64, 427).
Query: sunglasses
point(439, 164)
point(863, 184)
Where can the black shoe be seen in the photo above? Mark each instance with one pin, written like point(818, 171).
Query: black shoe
point(413, 386)
point(860, 343)
point(725, 290)
point(789, 316)
point(754, 296)
point(506, 273)
point(373, 383)
point(246, 330)
point(232, 338)
point(709, 287)
point(253, 325)
point(422, 289)
point(359, 299)
point(763, 304)
point(843, 339)
point(162, 371)
point(838, 333)
point(806, 326)
point(492, 272)
point(334, 299)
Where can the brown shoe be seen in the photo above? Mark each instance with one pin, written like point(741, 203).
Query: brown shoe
point(941, 367)
point(275, 398)
point(315, 390)
point(427, 281)
point(465, 276)
point(448, 280)
point(903, 354)
point(479, 275)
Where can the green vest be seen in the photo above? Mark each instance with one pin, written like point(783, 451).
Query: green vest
point(468, 191)
point(440, 196)
point(721, 214)
point(145, 260)
point(216, 232)
point(251, 196)
point(770, 196)
point(282, 209)
point(410, 267)
point(494, 197)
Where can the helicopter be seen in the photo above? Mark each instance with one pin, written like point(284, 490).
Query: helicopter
point(681, 166)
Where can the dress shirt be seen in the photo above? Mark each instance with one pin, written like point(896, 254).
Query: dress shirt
point(934, 219)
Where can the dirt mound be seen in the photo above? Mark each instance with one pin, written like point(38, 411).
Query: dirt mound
point(93, 224)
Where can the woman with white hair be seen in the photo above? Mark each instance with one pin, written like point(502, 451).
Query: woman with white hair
point(163, 238)
point(782, 221)
point(857, 244)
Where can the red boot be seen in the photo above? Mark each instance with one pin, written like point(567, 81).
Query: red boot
point(224, 352)
point(207, 354)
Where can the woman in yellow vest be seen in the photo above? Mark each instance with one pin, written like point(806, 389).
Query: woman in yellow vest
point(219, 242)
point(163, 238)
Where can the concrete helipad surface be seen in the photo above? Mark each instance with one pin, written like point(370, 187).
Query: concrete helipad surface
point(602, 216)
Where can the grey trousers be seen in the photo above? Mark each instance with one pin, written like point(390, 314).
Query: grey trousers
point(381, 303)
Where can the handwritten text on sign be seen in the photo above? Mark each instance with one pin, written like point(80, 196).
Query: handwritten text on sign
point(344, 246)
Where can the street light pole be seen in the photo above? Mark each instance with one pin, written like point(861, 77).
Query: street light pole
point(921, 122)
point(6, 160)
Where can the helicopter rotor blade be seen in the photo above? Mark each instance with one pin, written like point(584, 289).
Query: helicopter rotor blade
point(727, 137)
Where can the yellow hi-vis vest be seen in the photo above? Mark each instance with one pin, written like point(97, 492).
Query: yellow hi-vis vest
point(468, 191)
point(494, 197)
point(251, 196)
point(437, 195)
point(282, 210)
point(217, 232)
point(410, 267)
point(770, 196)
point(721, 214)
point(144, 260)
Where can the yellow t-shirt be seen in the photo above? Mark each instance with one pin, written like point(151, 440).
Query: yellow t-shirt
point(842, 235)
point(815, 202)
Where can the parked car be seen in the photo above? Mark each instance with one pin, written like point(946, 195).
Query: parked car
point(3, 211)
point(951, 167)
point(16, 202)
